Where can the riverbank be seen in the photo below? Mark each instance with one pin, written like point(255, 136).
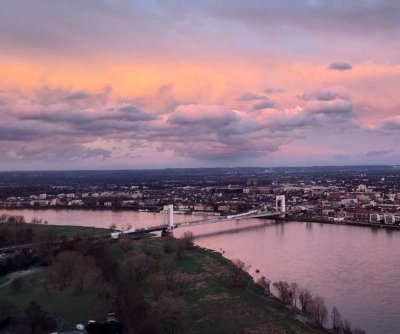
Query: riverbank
point(330, 222)
point(112, 208)
point(211, 303)
point(198, 280)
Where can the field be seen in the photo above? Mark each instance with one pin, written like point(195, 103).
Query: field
point(67, 307)
point(216, 307)
point(212, 304)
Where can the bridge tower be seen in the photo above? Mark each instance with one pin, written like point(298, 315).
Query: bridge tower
point(281, 204)
point(168, 218)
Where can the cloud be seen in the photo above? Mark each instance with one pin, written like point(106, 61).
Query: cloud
point(250, 97)
point(140, 92)
point(391, 124)
point(322, 95)
point(264, 104)
point(48, 127)
point(200, 115)
point(340, 108)
point(342, 157)
point(292, 123)
point(340, 66)
point(215, 133)
point(378, 153)
point(78, 95)
point(335, 17)
point(274, 90)
point(132, 29)
point(130, 113)
point(20, 132)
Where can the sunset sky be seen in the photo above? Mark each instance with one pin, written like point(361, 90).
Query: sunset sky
point(99, 84)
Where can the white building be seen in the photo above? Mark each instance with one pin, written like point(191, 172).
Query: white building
point(362, 188)
point(54, 202)
point(390, 219)
point(280, 204)
point(375, 218)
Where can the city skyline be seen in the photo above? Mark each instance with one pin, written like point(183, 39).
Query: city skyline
point(154, 84)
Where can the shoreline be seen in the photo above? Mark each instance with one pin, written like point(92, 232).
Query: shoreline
point(211, 214)
point(83, 208)
point(345, 223)
point(117, 209)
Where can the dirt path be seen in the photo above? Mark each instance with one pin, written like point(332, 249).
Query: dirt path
point(18, 274)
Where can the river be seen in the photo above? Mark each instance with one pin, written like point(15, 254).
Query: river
point(354, 268)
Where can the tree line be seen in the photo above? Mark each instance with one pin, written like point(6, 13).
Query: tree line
point(301, 298)
point(15, 230)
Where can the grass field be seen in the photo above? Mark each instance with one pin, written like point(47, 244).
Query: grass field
point(67, 307)
point(3, 279)
point(213, 306)
point(216, 307)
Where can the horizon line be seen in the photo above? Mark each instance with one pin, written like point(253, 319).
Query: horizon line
point(182, 168)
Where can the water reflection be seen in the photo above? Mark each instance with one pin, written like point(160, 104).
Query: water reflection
point(233, 230)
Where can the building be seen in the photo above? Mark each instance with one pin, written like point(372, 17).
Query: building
point(280, 204)
point(389, 219)
point(375, 218)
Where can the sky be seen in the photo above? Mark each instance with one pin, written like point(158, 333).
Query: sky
point(120, 84)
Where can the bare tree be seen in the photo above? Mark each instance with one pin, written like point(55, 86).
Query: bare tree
point(134, 313)
point(265, 283)
point(63, 267)
point(137, 265)
point(87, 275)
point(169, 245)
point(187, 239)
point(151, 250)
point(347, 327)
point(72, 268)
point(168, 268)
point(237, 272)
point(337, 323)
point(294, 287)
point(171, 312)
point(181, 246)
point(305, 299)
point(179, 282)
point(318, 312)
point(36, 221)
point(284, 292)
point(159, 285)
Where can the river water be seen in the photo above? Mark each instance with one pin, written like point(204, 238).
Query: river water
point(356, 269)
